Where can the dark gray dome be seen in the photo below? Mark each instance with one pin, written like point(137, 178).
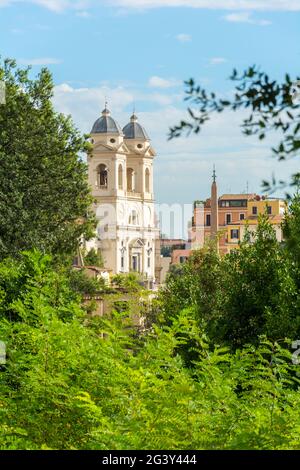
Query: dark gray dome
point(106, 124)
point(133, 130)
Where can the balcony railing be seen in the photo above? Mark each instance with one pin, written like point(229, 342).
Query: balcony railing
point(133, 194)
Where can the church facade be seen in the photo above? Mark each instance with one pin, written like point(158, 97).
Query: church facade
point(120, 172)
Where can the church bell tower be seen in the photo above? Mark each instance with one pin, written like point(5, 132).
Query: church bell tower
point(120, 172)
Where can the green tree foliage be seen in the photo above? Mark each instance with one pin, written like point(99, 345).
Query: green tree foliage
point(127, 281)
point(94, 258)
point(269, 103)
point(34, 273)
point(83, 284)
point(237, 298)
point(197, 284)
point(44, 195)
point(215, 372)
point(261, 294)
point(291, 230)
point(77, 383)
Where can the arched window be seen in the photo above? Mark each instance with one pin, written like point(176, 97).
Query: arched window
point(130, 179)
point(102, 176)
point(133, 218)
point(120, 176)
point(147, 180)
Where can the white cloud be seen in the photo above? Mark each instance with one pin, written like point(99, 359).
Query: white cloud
point(40, 61)
point(61, 5)
point(86, 104)
point(245, 17)
point(217, 60)
point(183, 166)
point(158, 82)
point(242, 17)
point(284, 5)
point(183, 37)
point(163, 100)
point(255, 5)
point(53, 5)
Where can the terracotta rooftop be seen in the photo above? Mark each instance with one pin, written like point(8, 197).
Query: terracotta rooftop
point(233, 197)
point(172, 241)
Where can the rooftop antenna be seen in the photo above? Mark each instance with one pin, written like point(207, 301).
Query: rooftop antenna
point(247, 188)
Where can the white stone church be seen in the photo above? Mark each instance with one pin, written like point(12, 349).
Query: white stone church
point(120, 169)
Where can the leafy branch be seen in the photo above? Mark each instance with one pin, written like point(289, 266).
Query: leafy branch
point(271, 109)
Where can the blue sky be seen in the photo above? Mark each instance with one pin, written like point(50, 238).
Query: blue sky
point(140, 51)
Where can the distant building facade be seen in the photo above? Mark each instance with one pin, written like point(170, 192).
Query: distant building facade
point(235, 212)
point(120, 173)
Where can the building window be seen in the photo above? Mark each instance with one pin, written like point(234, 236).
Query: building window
point(122, 262)
point(102, 176)
point(149, 262)
point(254, 210)
point(133, 218)
point(135, 263)
point(228, 219)
point(234, 203)
point(242, 216)
point(234, 234)
point(130, 179)
point(208, 221)
point(269, 210)
point(238, 203)
point(120, 176)
point(147, 180)
point(182, 259)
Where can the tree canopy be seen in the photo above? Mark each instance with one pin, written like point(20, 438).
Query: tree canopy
point(72, 382)
point(206, 365)
point(44, 194)
point(252, 291)
point(271, 109)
